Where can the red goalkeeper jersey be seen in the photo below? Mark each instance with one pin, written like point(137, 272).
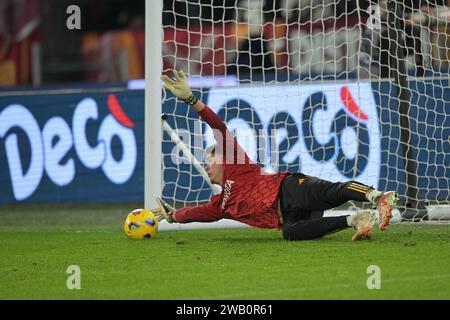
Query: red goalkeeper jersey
point(249, 195)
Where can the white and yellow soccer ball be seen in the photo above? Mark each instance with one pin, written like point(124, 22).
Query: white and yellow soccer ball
point(141, 224)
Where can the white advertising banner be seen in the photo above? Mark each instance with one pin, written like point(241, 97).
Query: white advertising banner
point(332, 130)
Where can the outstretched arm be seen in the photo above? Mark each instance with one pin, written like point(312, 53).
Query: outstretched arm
point(204, 213)
point(180, 88)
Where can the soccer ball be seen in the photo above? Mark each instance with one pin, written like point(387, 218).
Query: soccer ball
point(141, 224)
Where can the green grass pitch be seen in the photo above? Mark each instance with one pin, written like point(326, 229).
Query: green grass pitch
point(38, 243)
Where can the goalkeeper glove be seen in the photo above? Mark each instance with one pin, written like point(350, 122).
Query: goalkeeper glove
point(179, 87)
point(164, 211)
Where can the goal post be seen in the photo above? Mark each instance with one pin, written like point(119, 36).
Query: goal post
point(342, 90)
point(153, 102)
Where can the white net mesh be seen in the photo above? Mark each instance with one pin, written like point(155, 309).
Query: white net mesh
point(342, 90)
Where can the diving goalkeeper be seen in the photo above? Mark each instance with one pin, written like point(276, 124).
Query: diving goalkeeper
point(291, 202)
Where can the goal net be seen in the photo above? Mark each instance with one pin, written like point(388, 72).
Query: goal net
point(342, 90)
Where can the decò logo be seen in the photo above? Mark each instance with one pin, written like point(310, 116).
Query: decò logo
point(349, 125)
point(59, 148)
point(314, 128)
point(73, 21)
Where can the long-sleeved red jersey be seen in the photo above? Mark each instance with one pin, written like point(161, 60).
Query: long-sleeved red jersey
point(248, 194)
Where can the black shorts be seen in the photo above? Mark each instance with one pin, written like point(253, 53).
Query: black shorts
point(301, 195)
point(303, 200)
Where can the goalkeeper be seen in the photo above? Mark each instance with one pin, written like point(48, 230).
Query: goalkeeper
point(291, 202)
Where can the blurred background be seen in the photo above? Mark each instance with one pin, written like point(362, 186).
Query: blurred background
point(36, 48)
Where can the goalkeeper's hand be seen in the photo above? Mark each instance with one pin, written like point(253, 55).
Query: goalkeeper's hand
point(179, 87)
point(164, 211)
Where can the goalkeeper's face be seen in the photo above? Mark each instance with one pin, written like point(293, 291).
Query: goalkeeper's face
point(214, 168)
